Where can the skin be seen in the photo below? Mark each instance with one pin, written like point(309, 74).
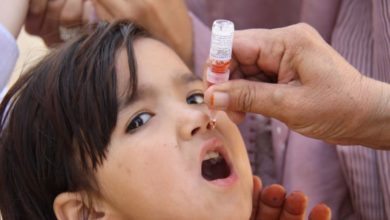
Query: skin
point(167, 20)
point(163, 173)
point(159, 177)
point(71, 205)
point(271, 203)
point(157, 17)
point(136, 155)
point(46, 19)
point(330, 100)
point(14, 21)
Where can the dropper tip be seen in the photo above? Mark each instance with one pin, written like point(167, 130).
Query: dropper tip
point(213, 123)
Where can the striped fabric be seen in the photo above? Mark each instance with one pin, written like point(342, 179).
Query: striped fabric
point(362, 36)
point(353, 180)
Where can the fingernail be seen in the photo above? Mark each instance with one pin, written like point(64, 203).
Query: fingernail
point(273, 195)
point(296, 203)
point(219, 100)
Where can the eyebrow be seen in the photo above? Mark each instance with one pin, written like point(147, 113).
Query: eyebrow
point(186, 78)
point(145, 91)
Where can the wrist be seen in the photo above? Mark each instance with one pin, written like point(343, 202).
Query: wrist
point(374, 128)
point(381, 117)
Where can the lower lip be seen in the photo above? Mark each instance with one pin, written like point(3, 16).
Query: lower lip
point(227, 182)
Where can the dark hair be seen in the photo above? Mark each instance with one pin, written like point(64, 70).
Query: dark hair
point(57, 119)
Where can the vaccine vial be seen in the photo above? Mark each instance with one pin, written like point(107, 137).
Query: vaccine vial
point(220, 56)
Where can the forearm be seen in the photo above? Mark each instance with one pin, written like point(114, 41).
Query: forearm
point(378, 128)
point(13, 14)
point(169, 20)
point(365, 114)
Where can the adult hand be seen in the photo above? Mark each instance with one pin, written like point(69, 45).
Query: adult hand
point(167, 20)
point(314, 90)
point(271, 203)
point(37, 6)
point(45, 20)
point(13, 13)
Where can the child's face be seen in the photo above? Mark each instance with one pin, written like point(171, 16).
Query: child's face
point(153, 168)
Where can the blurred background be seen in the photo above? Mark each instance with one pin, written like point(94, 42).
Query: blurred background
point(31, 48)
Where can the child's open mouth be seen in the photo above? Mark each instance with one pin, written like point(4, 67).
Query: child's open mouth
point(216, 166)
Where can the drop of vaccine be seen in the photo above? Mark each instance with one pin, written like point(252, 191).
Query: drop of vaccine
point(213, 124)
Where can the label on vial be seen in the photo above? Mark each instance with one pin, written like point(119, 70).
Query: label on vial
point(217, 78)
point(221, 48)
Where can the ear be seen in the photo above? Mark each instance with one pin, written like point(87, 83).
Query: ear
point(70, 206)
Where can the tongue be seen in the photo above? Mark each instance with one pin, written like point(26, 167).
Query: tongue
point(215, 168)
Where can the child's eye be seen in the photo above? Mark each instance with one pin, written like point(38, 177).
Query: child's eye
point(196, 98)
point(138, 121)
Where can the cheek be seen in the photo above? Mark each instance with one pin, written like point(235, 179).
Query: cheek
point(231, 131)
point(141, 169)
point(152, 173)
point(240, 155)
point(138, 161)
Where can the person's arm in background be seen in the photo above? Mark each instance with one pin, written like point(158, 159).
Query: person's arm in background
point(66, 13)
point(167, 20)
point(318, 93)
point(170, 21)
point(12, 16)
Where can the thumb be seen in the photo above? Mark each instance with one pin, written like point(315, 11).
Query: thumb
point(249, 96)
point(257, 187)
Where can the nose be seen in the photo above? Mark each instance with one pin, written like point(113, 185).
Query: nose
point(193, 120)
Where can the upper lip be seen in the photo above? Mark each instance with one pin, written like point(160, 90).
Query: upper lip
point(215, 144)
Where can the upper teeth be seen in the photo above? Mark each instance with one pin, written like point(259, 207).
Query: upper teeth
point(211, 155)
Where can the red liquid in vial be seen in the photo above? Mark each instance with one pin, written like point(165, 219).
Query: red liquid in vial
point(219, 66)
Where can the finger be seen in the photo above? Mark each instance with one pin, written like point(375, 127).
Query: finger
point(248, 96)
point(236, 117)
point(271, 202)
point(256, 195)
point(233, 64)
point(320, 212)
point(34, 23)
point(72, 13)
point(236, 75)
point(49, 30)
point(206, 84)
point(89, 13)
point(294, 207)
point(259, 47)
point(38, 6)
point(245, 48)
point(101, 12)
point(250, 69)
point(115, 8)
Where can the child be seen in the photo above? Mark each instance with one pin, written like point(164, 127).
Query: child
point(57, 152)
point(112, 125)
